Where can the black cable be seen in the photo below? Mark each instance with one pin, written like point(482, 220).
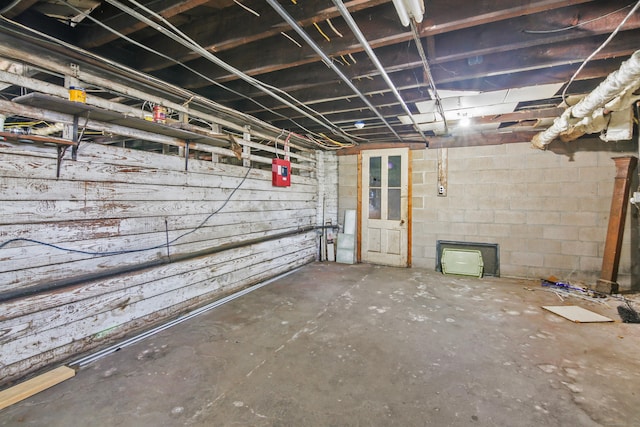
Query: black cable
point(129, 251)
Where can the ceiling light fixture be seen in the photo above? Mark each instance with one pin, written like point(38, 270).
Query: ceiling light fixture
point(408, 9)
point(359, 124)
point(464, 122)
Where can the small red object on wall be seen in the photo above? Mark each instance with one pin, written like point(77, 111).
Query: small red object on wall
point(281, 173)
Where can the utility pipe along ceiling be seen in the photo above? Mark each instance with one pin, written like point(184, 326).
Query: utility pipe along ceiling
point(439, 73)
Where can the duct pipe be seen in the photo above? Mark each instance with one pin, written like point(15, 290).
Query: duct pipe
point(374, 58)
point(283, 13)
point(619, 84)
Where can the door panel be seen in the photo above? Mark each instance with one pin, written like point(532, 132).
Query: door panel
point(384, 213)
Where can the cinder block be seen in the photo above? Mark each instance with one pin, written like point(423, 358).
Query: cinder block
point(606, 287)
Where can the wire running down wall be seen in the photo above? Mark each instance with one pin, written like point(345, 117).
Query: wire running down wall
point(114, 200)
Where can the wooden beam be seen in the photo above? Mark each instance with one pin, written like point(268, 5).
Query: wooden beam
point(479, 139)
point(32, 19)
point(310, 83)
point(539, 57)
point(8, 136)
point(234, 28)
point(94, 35)
point(35, 385)
point(350, 151)
point(279, 53)
point(448, 16)
point(19, 7)
point(519, 32)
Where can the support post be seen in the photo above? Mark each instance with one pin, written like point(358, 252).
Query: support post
point(613, 245)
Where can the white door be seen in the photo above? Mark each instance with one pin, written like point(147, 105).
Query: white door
point(385, 206)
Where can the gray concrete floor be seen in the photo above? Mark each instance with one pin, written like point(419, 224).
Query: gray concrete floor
point(363, 345)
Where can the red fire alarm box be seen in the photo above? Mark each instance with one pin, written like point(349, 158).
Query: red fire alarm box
point(281, 173)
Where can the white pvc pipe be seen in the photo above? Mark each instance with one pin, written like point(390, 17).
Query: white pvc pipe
point(620, 82)
point(616, 83)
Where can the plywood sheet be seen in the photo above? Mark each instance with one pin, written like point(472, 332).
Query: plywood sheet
point(576, 314)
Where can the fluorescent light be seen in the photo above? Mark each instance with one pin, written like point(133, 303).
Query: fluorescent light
point(408, 9)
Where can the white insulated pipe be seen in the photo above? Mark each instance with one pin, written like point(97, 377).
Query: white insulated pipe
point(622, 82)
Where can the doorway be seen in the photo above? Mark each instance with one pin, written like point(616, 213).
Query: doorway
point(385, 208)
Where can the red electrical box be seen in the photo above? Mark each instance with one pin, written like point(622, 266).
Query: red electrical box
point(281, 173)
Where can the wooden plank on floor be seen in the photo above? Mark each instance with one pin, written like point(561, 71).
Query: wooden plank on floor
point(35, 385)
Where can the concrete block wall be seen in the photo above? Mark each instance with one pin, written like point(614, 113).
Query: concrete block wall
point(547, 210)
point(347, 185)
point(327, 176)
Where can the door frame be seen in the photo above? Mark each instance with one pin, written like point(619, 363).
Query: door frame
point(409, 207)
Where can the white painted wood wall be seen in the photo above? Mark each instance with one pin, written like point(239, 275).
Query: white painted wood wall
point(115, 199)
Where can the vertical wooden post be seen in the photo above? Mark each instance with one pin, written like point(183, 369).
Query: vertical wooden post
point(613, 245)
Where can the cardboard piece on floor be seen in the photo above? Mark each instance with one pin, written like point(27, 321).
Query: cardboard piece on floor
point(576, 314)
point(35, 385)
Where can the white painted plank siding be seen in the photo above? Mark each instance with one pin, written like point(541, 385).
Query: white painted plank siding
point(115, 199)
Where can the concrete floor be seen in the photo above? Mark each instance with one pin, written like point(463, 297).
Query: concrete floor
point(362, 345)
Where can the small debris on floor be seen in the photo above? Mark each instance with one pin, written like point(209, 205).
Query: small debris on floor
point(554, 283)
point(566, 289)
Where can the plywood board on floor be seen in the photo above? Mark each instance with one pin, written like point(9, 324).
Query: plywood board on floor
point(576, 314)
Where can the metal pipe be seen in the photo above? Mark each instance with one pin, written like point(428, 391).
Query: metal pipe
point(10, 6)
point(225, 116)
point(77, 280)
point(427, 70)
point(190, 44)
point(84, 361)
point(374, 58)
point(302, 33)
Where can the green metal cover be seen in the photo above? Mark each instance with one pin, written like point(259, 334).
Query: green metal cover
point(465, 262)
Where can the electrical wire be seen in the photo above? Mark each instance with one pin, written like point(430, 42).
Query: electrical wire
point(595, 52)
point(247, 8)
point(275, 143)
point(175, 34)
point(290, 38)
point(338, 33)
point(322, 33)
point(355, 29)
point(162, 55)
point(130, 251)
point(305, 36)
point(204, 102)
point(571, 27)
point(427, 69)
